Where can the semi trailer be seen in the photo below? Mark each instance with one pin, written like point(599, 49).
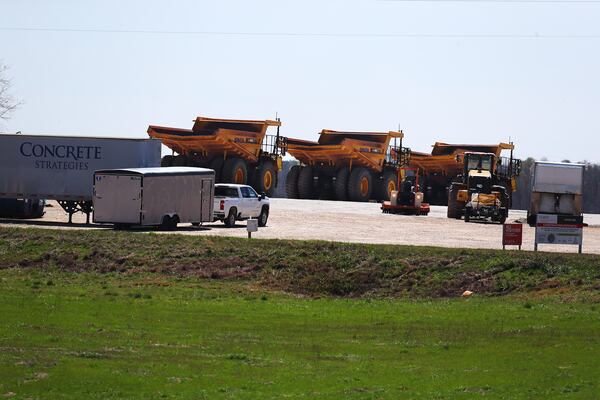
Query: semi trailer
point(556, 188)
point(43, 167)
point(239, 151)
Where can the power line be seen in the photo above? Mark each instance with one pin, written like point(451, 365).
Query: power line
point(500, 1)
point(317, 34)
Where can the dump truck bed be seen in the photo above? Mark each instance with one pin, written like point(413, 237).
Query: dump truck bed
point(367, 149)
point(210, 137)
point(443, 157)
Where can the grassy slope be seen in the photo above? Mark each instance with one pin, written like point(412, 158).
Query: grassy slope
point(152, 316)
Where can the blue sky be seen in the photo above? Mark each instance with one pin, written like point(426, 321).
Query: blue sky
point(478, 75)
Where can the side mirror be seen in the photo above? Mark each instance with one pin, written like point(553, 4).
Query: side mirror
point(262, 196)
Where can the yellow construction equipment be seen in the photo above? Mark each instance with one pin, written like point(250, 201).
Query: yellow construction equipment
point(239, 151)
point(356, 166)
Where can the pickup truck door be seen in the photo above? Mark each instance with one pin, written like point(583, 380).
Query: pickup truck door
point(250, 203)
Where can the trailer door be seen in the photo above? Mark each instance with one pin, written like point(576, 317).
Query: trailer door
point(117, 198)
point(206, 201)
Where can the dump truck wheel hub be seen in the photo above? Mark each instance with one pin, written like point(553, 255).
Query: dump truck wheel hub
point(239, 176)
point(391, 187)
point(364, 186)
point(267, 180)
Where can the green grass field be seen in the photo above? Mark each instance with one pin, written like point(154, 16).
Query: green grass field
point(119, 315)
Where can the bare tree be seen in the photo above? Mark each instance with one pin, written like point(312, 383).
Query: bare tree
point(8, 103)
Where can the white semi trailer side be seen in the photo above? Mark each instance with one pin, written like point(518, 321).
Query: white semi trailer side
point(154, 196)
point(556, 188)
point(62, 167)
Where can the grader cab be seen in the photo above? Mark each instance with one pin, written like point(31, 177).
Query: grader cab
point(239, 151)
point(356, 166)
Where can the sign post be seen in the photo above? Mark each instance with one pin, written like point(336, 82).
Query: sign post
point(512, 235)
point(559, 229)
point(251, 226)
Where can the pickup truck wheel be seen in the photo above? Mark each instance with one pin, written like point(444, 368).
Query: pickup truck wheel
point(229, 221)
point(263, 217)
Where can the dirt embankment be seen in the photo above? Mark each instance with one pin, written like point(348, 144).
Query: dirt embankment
point(302, 267)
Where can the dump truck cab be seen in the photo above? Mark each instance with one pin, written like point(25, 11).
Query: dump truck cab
point(479, 193)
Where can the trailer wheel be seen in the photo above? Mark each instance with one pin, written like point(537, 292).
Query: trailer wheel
point(235, 170)
point(386, 185)
point(291, 182)
point(216, 164)
point(263, 217)
point(166, 161)
point(306, 183)
point(340, 186)
point(229, 221)
point(169, 223)
point(360, 184)
point(265, 177)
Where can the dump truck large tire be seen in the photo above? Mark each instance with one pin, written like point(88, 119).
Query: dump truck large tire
point(166, 161)
point(360, 184)
point(291, 182)
point(385, 186)
point(452, 202)
point(235, 170)
point(340, 186)
point(306, 189)
point(179, 161)
point(216, 164)
point(265, 178)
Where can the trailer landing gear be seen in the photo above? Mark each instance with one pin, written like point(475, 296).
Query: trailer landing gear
point(72, 207)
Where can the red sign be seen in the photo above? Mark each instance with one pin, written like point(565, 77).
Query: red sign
point(512, 234)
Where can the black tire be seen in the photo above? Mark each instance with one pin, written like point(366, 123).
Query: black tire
point(265, 177)
point(169, 223)
point(235, 170)
point(454, 206)
point(306, 183)
point(291, 182)
point(384, 186)
point(229, 220)
point(340, 185)
point(263, 217)
point(216, 164)
point(179, 161)
point(467, 215)
point(360, 184)
point(167, 161)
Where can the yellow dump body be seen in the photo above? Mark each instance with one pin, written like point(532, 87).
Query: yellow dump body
point(447, 158)
point(334, 148)
point(210, 137)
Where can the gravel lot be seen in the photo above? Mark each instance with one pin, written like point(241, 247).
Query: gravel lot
point(354, 222)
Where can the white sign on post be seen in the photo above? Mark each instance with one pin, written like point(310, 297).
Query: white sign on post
point(251, 226)
point(550, 229)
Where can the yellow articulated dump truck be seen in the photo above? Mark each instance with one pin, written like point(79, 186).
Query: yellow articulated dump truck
point(239, 151)
point(446, 166)
point(357, 166)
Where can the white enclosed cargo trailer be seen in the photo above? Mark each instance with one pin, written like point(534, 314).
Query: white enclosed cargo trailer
point(154, 196)
point(556, 188)
point(62, 167)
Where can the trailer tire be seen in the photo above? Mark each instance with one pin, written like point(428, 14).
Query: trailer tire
point(340, 186)
point(235, 170)
point(169, 223)
point(291, 182)
point(265, 177)
point(360, 184)
point(229, 221)
point(264, 216)
point(216, 164)
point(166, 161)
point(306, 183)
point(386, 185)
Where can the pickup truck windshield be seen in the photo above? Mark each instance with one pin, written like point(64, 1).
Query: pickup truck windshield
point(248, 192)
point(224, 191)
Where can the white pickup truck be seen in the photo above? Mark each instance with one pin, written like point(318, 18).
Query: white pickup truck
point(239, 202)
